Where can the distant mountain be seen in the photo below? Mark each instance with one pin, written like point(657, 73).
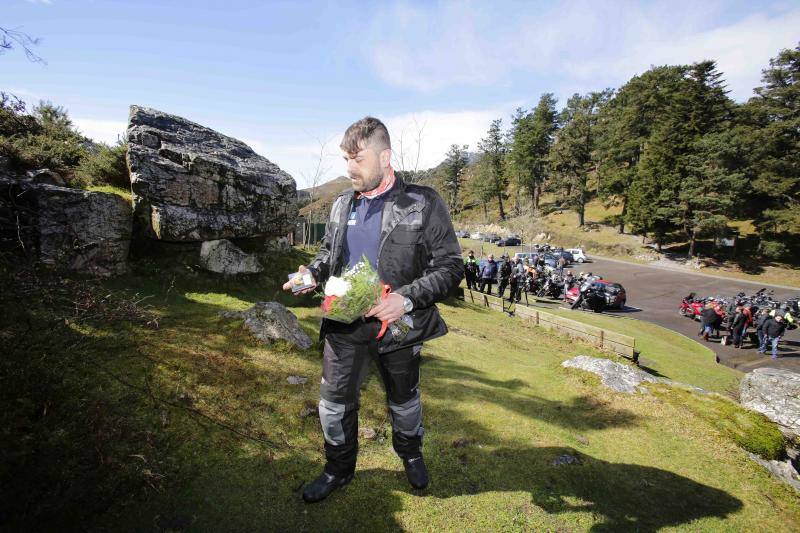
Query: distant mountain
point(324, 195)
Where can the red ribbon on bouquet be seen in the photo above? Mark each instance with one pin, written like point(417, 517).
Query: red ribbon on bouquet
point(385, 290)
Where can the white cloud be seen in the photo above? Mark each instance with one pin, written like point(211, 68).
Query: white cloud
point(41, 2)
point(580, 44)
point(107, 131)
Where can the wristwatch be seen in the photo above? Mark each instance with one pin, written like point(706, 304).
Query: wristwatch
point(408, 305)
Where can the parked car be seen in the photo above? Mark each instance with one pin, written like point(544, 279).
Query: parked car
point(616, 297)
point(490, 237)
point(463, 234)
point(550, 260)
point(578, 255)
point(566, 255)
point(509, 241)
point(477, 236)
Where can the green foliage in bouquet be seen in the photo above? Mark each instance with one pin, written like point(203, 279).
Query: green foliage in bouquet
point(365, 289)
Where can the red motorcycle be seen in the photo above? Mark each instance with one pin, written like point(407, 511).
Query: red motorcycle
point(691, 307)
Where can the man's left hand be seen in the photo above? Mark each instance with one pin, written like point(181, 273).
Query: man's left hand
point(389, 309)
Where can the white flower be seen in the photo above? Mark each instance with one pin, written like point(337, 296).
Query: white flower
point(336, 287)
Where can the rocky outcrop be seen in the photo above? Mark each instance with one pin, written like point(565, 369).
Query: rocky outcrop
point(776, 394)
point(621, 378)
point(83, 231)
point(224, 257)
point(270, 321)
point(191, 183)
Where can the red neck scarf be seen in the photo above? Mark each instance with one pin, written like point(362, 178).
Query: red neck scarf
point(383, 186)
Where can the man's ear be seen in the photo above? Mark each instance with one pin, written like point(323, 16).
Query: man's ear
point(386, 157)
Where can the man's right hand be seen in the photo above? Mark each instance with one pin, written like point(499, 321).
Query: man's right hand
point(288, 285)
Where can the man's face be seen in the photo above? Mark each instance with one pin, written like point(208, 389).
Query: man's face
point(366, 167)
point(491, 257)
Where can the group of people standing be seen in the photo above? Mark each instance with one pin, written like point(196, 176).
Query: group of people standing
point(509, 273)
point(770, 325)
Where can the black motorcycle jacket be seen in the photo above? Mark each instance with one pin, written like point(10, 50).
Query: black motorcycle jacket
point(418, 254)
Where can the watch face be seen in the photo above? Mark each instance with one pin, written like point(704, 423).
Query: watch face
point(408, 305)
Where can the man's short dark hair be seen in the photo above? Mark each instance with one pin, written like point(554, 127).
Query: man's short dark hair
point(368, 130)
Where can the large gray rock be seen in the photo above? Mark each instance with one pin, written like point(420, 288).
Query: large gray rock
point(224, 257)
point(621, 378)
point(775, 393)
point(270, 321)
point(191, 183)
point(45, 175)
point(78, 230)
point(783, 470)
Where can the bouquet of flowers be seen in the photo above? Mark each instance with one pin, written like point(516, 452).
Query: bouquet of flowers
point(349, 297)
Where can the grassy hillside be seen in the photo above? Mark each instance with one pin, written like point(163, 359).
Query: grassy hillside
point(324, 195)
point(132, 405)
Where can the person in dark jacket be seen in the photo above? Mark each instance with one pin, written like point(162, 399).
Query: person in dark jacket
point(774, 328)
point(406, 233)
point(505, 275)
point(471, 271)
point(488, 274)
point(708, 318)
point(517, 278)
point(738, 324)
point(762, 317)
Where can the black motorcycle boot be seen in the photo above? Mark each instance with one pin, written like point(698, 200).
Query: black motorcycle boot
point(321, 488)
point(416, 472)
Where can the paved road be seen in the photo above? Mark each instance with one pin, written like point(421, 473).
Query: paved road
point(654, 295)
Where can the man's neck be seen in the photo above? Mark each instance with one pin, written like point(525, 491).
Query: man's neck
point(386, 183)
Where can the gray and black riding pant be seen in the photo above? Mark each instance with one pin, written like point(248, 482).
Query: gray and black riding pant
point(347, 353)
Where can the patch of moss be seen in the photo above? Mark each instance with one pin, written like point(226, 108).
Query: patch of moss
point(750, 430)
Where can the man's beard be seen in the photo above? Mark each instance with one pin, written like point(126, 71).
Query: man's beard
point(362, 185)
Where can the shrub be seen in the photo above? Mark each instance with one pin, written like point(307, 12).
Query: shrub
point(45, 138)
point(106, 165)
point(772, 249)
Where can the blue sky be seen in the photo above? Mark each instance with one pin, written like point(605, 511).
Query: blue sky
point(286, 77)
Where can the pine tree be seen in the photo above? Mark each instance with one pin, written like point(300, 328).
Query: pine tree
point(453, 170)
point(772, 136)
point(572, 154)
point(624, 127)
point(533, 137)
point(493, 151)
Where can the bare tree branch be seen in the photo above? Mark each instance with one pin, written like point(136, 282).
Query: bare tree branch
point(13, 37)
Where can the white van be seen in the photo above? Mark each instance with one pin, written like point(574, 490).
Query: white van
point(578, 255)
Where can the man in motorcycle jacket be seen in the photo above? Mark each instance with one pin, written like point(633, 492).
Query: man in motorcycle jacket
point(405, 232)
point(505, 275)
point(774, 328)
point(488, 274)
point(738, 323)
point(518, 272)
point(471, 270)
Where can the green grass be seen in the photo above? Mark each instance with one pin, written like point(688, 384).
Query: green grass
point(110, 189)
point(665, 352)
point(119, 424)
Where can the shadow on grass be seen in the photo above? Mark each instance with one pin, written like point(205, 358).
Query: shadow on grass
point(619, 496)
